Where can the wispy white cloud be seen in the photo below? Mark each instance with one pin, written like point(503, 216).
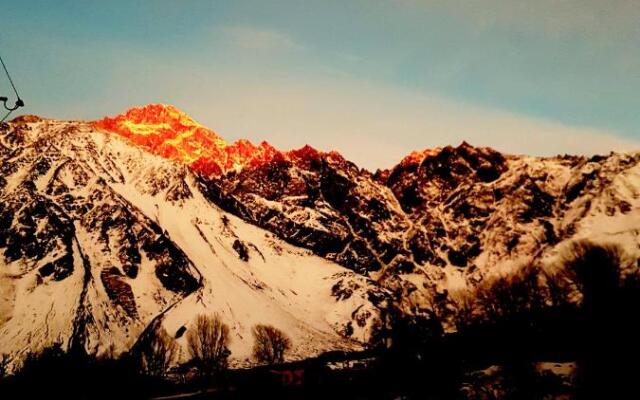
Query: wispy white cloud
point(250, 38)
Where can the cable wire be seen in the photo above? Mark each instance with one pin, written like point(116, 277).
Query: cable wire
point(6, 116)
point(9, 76)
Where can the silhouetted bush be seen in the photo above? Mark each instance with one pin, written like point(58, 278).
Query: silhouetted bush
point(505, 319)
point(608, 279)
point(58, 373)
point(270, 344)
point(50, 361)
point(581, 306)
point(594, 267)
point(509, 297)
point(158, 354)
point(208, 343)
point(4, 365)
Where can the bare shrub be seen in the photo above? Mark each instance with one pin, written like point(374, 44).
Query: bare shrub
point(208, 343)
point(512, 295)
point(594, 265)
point(466, 310)
point(158, 354)
point(560, 289)
point(270, 344)
point(4, 365)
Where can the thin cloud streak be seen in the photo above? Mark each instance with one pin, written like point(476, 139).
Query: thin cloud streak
point(249, 38)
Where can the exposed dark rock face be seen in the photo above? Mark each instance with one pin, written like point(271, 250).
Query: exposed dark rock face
point(439, 207)
point(241, 249)
point(319, 201)
point(119, 291)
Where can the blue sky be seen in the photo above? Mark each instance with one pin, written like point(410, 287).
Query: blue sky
point(373, 79)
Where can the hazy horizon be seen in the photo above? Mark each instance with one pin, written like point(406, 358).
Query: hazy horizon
point(373, 80)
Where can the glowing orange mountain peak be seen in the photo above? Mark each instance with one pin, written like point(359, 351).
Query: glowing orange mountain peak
point(166, 131)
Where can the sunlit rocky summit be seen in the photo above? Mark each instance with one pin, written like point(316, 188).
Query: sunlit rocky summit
point(112, 229)
point(170, 133)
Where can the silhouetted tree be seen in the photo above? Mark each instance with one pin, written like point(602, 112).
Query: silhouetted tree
point(608, 351)
point(521, 294)
point(270, 344)
point(595, 267)
point(208, 342)
point(158, 354)
point(4, 365)
point(506, 312)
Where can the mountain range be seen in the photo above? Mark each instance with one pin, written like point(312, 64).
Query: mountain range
point(112, 229)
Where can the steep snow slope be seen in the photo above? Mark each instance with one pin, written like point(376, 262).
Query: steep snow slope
point(100, 238)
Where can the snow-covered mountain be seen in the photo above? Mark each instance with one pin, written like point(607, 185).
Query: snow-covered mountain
point(99, 239)
point(148, 219)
